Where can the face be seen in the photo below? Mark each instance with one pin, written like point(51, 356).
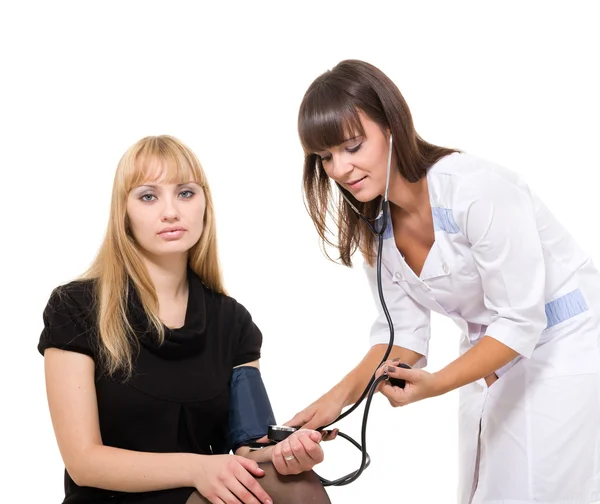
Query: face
point(166, 219)
point(359, 164)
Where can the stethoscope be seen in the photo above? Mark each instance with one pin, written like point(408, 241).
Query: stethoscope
point(279, 433)
point(383, 215)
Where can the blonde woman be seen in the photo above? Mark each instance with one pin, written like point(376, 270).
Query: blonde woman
point(140, 353)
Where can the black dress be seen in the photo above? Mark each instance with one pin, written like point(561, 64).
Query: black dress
point(177, 398)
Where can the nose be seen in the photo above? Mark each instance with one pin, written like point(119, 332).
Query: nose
point(340, 166)
point(170, 212)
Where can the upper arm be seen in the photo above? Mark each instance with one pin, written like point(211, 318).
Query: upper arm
point(255, 364)
point(497, 216)
point(246, 337)
point(72, 401)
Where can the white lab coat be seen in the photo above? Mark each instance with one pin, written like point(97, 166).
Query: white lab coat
point(501, 265)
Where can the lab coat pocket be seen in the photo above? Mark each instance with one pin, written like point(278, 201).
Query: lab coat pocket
point(515, 373)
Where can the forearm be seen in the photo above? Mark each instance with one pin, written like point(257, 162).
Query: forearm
point(131, 471)
point(262, 455)
point(354, 383)
point(482, 360)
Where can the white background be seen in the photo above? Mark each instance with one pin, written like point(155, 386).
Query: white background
point(515, 82)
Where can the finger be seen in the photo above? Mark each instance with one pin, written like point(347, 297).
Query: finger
point(287, 453)
point(226, 496)
point(249, 489)
point(381, 384)
point(314, 423)
point(277, 460)
point(410, 375)
point(264, 439)
point(313, 451)
point(316, 436)
point(329, 435)
point(395, 395)
point(236, 492)
point(305, 432)
point(300, 419)
point(283, 466)
point(250, 465)
point(388, 390)
point(299, 451)
point(215, 500)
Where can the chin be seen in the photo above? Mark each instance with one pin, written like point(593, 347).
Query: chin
point(172, 249)
point(365, 197)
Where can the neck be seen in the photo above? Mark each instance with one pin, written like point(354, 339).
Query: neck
point(410, 197)
point(169, 275)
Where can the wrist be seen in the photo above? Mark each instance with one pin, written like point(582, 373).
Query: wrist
point(441, 383)
point(195, 469)
point(261, 455)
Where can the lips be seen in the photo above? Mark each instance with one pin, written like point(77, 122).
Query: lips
point(354, 183)
point(171, 230)
point(172, 233)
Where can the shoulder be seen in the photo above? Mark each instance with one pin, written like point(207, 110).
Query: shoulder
point(70, 318)
point(459, 179)
point(81, 292)
point(237, 330)
point(461, 166)
point(76, 299)
point(226, 306)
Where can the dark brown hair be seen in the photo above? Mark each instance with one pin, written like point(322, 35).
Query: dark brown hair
point(328, 113)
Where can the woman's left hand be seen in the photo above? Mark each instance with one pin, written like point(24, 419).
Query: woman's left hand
point(419, 384)
point(297, 453)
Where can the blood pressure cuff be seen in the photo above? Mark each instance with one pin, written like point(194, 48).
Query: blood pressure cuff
point(250, 412)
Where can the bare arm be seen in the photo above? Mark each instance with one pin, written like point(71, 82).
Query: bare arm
point(74, 412)
point(478, 362)
point(354, 383)
point(329, 406)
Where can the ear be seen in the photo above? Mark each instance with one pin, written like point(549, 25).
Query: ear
point(128, 227)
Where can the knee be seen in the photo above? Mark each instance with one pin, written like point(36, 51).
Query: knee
point(293, 489)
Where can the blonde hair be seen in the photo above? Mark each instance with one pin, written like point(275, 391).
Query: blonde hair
point(119, 260)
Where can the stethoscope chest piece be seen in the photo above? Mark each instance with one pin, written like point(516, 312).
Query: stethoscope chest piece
point(398, 382)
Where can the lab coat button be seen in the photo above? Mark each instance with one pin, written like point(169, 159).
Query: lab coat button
point(445, 268)
point(398, 276)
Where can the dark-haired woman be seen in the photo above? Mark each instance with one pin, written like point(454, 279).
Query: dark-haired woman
point(468, 239)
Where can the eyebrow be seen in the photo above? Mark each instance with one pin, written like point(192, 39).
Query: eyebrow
point(342, 142)
point(153, 186)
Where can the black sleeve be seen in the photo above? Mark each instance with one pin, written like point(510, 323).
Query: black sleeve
point(67, 321)
point(249, 340)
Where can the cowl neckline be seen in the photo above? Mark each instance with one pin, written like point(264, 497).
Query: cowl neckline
point(180, 342)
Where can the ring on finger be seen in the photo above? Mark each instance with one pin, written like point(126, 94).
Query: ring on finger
point(289, 457)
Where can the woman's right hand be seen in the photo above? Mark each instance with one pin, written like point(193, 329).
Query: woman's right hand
point(230, 479)
point(320, 413)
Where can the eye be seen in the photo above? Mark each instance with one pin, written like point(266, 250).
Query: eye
point(147, 197)
point(186, 194)
point(354, 149)
point(325, 158)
